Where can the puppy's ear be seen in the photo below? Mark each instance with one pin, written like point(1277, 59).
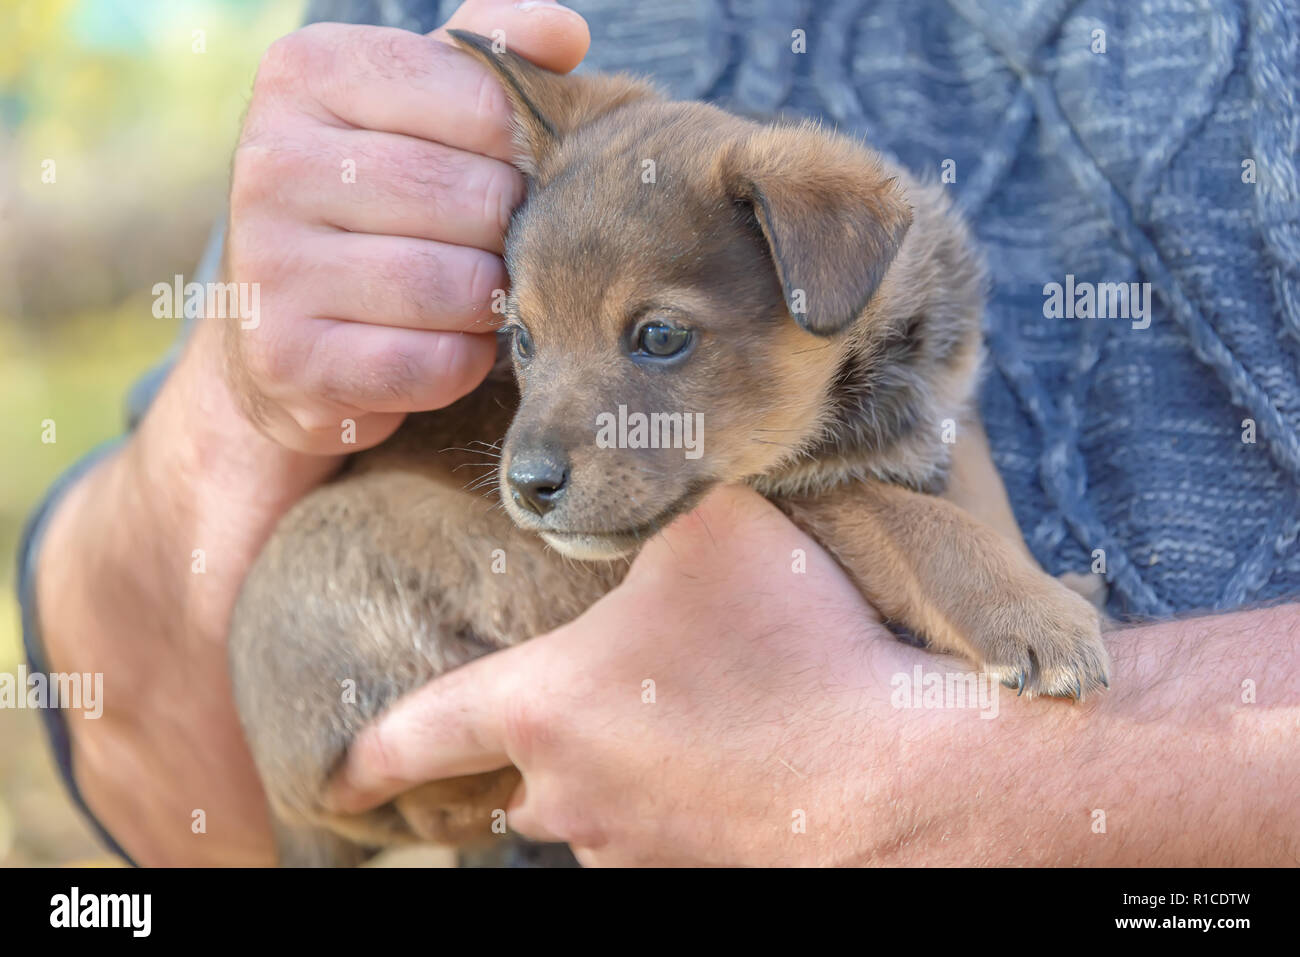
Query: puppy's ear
point(548, 106)
point(831, 216)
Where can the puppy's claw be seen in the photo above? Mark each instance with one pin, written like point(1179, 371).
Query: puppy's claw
point(1045, 643)
point(1017, 682)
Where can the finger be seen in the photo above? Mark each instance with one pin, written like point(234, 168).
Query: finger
point(404, 186)
point(398, 281)
point(352, 366)
point(395, 81)
point(454, 725)
point(547, 33)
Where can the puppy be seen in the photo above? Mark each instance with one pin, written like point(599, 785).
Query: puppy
point(696, 299)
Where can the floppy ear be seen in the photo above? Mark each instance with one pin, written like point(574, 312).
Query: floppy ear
point(548, 106)
point(831, 216)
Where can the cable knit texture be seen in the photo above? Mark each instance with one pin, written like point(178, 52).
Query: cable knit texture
point(1128, 165)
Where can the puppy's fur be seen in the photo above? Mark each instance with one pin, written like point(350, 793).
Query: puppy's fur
point(833, 306)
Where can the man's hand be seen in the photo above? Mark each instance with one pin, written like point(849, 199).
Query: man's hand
point(721, 707)
point(369, 200)
point(367, 287)
point(690, 717)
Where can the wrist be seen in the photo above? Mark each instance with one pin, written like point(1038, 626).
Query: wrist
point(1171, 767)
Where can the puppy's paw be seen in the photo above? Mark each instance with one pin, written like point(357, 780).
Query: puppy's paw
point(1045, 641)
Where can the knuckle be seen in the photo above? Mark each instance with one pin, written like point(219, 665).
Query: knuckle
point(253, 254)
point(529, 728)
point(274, 353)
point(269, 363)
point(398, 54)
point(254, 173)
point(290, 57)
point(280, 60)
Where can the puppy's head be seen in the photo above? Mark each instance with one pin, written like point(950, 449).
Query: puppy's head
point(682, 285)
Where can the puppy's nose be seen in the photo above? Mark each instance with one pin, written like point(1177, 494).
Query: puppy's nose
point(537, 481)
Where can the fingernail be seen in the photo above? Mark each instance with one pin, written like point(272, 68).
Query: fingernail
point(529, 4)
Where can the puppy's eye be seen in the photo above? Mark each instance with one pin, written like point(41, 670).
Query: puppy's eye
point(661, 340)
point(523, 343)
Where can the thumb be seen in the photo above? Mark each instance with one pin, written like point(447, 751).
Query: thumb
point(452, 726)
point(550, 35)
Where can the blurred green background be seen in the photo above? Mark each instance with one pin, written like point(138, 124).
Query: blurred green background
point(137, 103)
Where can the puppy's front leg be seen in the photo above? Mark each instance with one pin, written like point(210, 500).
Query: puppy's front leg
point(927, 564)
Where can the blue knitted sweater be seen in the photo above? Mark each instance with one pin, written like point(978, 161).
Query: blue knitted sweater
point(1104, 141)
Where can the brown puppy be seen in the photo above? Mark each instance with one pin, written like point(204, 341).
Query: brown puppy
point(696, 299)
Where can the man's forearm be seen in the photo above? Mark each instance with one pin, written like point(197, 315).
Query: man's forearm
point(1190, 759)
point(137, 575)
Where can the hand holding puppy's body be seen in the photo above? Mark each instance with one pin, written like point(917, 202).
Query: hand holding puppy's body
point(772, 736)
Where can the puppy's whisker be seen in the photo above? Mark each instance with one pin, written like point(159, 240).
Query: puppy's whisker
point(493, 466)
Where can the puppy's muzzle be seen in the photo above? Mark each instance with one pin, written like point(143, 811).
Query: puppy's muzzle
point(538, 479)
